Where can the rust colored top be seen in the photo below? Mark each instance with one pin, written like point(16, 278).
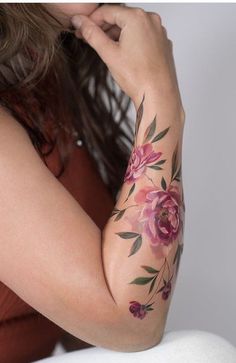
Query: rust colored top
point(25, 334)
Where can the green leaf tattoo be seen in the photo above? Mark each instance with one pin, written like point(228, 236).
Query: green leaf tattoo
point(150, 269)
point(150, 130)
point(142, 280)
point(128, 235)
point(130, 192)
point(139, 116)
point(160, 135)
point(163, 183)
point(136, 246)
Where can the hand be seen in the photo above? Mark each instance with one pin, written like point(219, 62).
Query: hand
point(142, 55)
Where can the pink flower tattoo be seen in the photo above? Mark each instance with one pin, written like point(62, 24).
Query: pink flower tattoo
point(138, 310)
point(161, 214)
point(141, 157)
point(159, 217)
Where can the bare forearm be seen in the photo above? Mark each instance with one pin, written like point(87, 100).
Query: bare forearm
point(143, 240)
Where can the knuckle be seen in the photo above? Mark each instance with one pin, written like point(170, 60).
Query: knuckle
point(164, 30)
point(170, 43)
point(156, 17)
point(140, 12)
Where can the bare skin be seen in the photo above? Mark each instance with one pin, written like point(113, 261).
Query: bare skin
point(99, 209)
point(64, 12)
point(113, 287)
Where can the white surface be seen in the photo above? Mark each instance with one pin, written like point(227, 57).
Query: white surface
point(204, 38)
point(58, 349)
point(176, 347)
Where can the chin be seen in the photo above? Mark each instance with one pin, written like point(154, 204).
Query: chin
point(64, 11)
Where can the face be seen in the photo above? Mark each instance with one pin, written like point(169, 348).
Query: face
point(64, 11)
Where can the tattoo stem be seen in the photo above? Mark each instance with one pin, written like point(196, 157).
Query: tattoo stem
point(168, 270)
point(150, 180)
point(163, 265)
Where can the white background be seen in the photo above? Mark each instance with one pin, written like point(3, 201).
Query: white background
point(204, 38)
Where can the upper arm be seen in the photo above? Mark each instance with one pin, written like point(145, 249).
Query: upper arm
point(50, 247)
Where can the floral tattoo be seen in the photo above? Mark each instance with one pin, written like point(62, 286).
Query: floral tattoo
point(158, 217)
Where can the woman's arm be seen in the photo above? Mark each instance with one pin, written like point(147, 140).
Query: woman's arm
point(51, 249)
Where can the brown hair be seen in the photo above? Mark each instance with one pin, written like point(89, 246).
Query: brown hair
point(47, 75)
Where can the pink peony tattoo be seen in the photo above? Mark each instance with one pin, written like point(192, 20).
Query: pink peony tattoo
point(158, 219)
point(141, 157)
point(161, 216)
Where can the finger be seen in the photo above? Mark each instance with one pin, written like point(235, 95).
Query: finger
point(105, 27)
point(112, 14)
point(95, 36)
point(113, 32)
point(155, 15)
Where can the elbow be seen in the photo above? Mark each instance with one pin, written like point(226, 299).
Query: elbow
point(138, 335)
point(141, 342)
point(150, 341)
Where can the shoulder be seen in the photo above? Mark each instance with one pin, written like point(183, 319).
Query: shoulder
point(17, 152)
point(10, 128)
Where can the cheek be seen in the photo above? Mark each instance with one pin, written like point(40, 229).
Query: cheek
point(76, 8)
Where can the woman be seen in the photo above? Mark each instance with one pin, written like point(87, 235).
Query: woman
point(76, 255)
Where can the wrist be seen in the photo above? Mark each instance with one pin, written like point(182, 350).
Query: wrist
point(164, 101)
